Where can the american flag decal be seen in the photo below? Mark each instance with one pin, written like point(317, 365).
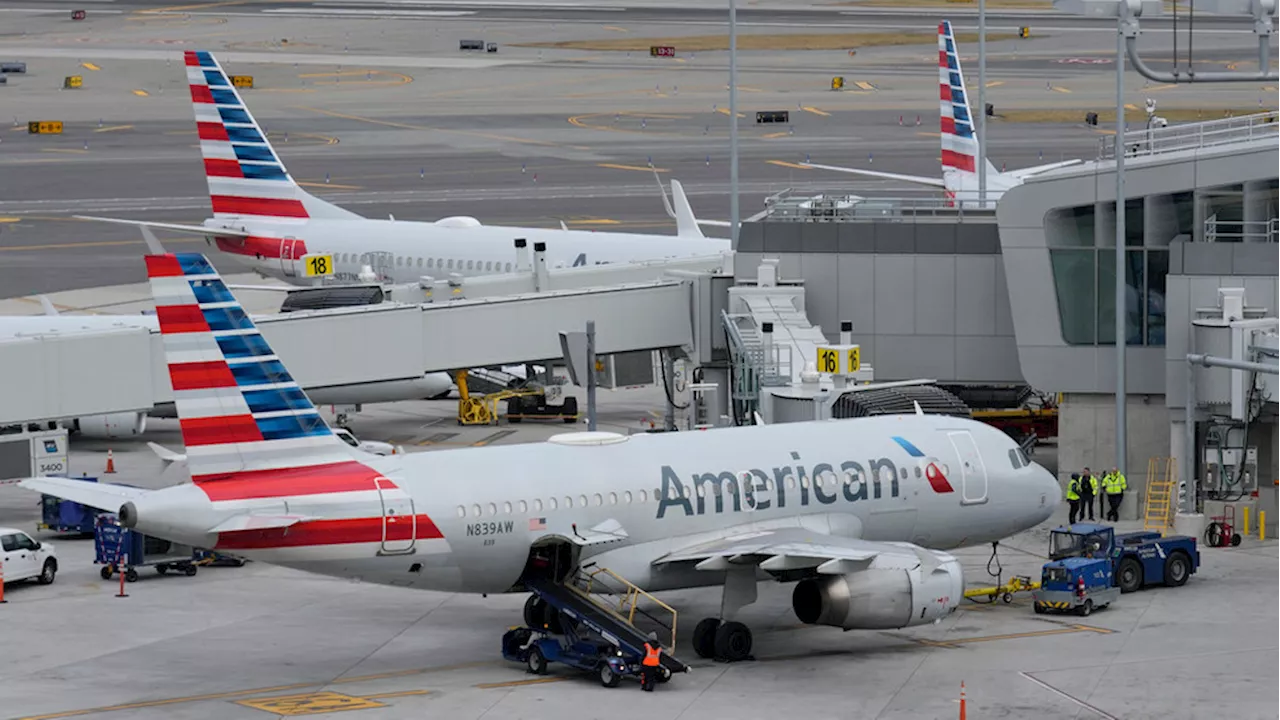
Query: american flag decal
point(538, 523)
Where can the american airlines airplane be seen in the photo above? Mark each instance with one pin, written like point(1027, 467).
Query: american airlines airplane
point(858, 512)
point(959, 142)
point(265, 221)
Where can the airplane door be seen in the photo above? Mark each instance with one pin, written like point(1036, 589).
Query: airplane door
point(973, 473)
point(288, 263)
point(399, 522)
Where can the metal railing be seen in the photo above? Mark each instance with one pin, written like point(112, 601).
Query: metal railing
point(772, 364)
point(1242, 231)
point(625, 600)
point(789, 207)
point(1193, 136)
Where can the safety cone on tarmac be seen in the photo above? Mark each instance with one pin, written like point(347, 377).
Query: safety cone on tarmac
point(961, 700)
point(111, 462)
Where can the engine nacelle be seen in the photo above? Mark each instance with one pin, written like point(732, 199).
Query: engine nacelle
point(458, 221)
point(111, 426)
point(881, 598)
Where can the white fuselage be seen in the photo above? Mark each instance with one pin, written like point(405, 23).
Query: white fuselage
point(402, 251)
point(664, 492)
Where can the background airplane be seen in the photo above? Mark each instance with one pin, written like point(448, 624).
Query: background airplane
point(857, 512)
point(959, 140)
point(264, 220)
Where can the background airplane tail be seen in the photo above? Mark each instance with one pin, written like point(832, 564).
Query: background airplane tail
point(246, 177)
point(239, 409)
point(959, 139)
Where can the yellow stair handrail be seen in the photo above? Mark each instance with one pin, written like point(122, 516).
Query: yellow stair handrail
point(627, 604)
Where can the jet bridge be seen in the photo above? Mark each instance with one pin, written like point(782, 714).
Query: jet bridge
point(56, 375)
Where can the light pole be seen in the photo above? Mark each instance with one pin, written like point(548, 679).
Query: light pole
point(733, 124)
point(982, 103)
point(1122, 428)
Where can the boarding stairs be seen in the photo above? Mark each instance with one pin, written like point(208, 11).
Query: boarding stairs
point(1157, 514)
point(611, 607)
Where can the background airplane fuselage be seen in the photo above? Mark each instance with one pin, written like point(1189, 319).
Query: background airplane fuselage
point(420, 248)
point(477, 515)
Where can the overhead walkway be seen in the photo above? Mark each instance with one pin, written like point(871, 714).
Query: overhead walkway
point(56, 375)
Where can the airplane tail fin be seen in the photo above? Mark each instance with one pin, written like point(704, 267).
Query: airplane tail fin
point(246, 177)
point(240, 411)
point(959, 141)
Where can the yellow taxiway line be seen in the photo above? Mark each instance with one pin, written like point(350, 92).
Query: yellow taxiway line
point(786, 164)
point(631, 167)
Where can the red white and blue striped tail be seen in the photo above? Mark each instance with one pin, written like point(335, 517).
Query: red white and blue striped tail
point(959, 141)
point(246, 178)
point(239, 408)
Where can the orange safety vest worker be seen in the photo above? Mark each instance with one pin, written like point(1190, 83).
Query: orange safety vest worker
point(651, 655)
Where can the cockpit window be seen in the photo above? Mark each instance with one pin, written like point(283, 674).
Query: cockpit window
point(1023, 456)
point(1015, 459)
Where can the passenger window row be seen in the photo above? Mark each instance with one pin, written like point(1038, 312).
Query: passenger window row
point(521, 507)
point(486, 266)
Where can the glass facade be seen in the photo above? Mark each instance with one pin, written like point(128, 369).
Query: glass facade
point(1082, 253)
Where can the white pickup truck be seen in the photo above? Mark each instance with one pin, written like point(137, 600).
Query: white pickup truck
point(24, 557)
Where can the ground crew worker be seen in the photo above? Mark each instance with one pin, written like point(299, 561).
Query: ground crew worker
point(1114, 484)
point(1073, 497)
point(1088, 489)
point(652, 660)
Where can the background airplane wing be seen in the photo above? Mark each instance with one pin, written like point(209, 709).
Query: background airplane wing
point(103, 496)
point(796, 548)
point(1024, 173)
point(189, 229)
point(932, 182)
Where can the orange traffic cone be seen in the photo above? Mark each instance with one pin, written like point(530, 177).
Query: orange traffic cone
point(961, 700)
point(111, 462)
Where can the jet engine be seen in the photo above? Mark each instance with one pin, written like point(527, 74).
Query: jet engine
point(881, 598)
point(111, 426)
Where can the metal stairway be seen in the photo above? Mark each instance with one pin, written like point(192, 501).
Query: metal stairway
point(1159, 491)
point(582, 600)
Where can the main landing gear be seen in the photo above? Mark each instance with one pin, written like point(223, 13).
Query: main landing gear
point(723, 638)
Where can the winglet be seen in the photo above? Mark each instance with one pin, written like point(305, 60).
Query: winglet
point(47, 304)
point(686, 222)
point(917, 406)
point(165, 454)
point(755, 414)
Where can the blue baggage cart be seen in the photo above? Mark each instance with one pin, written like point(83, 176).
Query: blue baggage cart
point(65, 516)
point(119, 549)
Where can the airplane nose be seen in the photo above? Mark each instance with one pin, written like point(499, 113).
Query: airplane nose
point(1049, 485)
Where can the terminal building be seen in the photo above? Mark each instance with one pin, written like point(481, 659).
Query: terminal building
point(946, 304)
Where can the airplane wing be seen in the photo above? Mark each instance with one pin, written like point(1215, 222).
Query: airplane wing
point(189, 229)
point(251, 521)
point(795, 548)
point(103, 496)
point(932, 182)
point(1023, 173)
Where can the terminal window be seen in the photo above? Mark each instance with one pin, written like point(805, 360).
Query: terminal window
point(1082, 256)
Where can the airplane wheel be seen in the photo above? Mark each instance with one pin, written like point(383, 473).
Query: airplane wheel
point(733, 641)
point(704, 637)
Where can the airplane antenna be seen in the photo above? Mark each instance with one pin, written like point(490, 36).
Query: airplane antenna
point(917, 406)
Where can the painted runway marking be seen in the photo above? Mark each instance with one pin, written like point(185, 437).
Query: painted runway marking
point(113, 128)
point(1081, 703)
point(725, 111)
point(641, 168)
point(388, 123)
point(772, 135)
point(402, 693)
point(784, 163)
point(815, 111)
point(518, 683)
point(310, 703)
point(864, 85)
point(957, 642)
point(330, 185)
point(489, 439)
point(141, 93)
point(89, 66)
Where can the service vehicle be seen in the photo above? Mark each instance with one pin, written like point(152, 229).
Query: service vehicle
point(25, 558)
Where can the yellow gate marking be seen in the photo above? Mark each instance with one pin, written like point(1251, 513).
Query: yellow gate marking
point(310, 703)
point(89, 66)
